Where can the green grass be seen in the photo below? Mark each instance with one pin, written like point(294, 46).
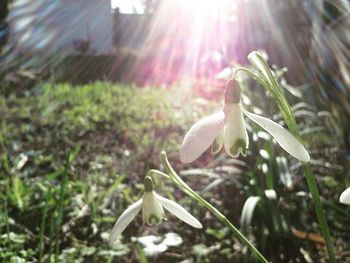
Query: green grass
point(120, 131)
point(74, 157)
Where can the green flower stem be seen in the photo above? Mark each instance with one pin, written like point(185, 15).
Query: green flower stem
point(156, 172)
point(271, 85)
point(311, 181)
point(283, 105)
point(185, 188)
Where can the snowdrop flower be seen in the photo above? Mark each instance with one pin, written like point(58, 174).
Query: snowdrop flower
point(227, 129)
point(154, 245)
point(345, 197)
point(152, 209)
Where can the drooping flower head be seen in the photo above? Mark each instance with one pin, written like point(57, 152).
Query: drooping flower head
point(227, 129)
point(152, 206)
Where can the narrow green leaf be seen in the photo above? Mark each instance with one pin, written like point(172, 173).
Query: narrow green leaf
point(248, 211)
point(141, 254)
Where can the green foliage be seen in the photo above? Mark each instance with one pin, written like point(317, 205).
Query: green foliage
point(69, 155)
point(121, 130)
point(135, 115)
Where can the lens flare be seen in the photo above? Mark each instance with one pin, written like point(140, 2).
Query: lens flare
point(184, 39)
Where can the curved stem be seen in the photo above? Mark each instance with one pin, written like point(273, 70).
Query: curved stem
point(156, 172)
point(253, 75)
point(271, 84)
point(184, 187)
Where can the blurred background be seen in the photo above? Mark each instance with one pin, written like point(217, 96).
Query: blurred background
point(91, 91)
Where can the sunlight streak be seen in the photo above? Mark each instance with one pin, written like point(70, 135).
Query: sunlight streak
point(186, 39)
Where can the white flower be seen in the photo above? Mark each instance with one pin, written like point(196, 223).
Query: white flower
point(152, 206)
point(227, 128)
point(154, 245)
point(345, 197)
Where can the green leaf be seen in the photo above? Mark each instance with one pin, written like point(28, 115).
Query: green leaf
point(248, 211)
point(141, 254)
point(213, 184)
point(73, 154)
point(217, 233)
point(15, 238)
point(18, 191)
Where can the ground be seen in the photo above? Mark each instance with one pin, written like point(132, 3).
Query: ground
point(74, 158)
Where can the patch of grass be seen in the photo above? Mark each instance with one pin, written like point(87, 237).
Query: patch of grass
point(53, 212)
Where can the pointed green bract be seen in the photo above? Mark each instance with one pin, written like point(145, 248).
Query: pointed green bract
point(232, 92)
point(148, 183)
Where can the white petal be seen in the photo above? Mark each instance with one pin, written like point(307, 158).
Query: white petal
point(284, 138)
point(172, 240)
point(200, 136)
point(124, 220)
point(149, 240)
point(153, 212)
point(236, 139)
point(345, 197)
point(218, 143)
point(179, 212)
point(155, 249)
point(271, 194)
